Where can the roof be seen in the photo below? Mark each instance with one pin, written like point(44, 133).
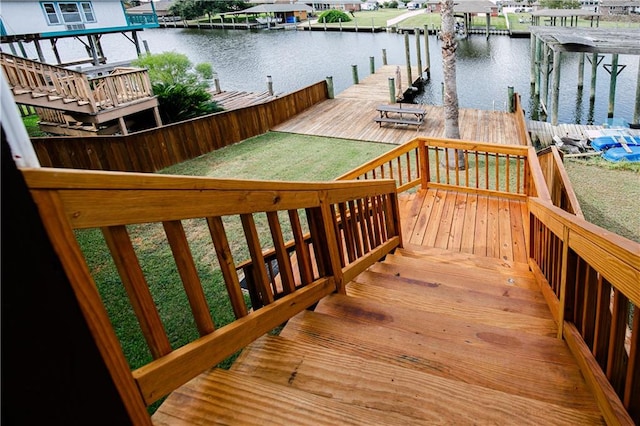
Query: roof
point(271, 8)
point(594, 40)
point(563, 13)
point(161, 7)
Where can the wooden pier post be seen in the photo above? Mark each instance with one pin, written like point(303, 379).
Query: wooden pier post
point(270, 85)
point(384, 56)
point(533, 59)
point(510, 100)
point(392, 90)
point(372, 64)
point(581, 71)
point(418, 53)
point(594, 73)
point(536, 91)
point(612, 84)
point(407, 52)
point(427, 55)
point(488, 16)
point(544, 90)
point(636, 110)
point(330, 93)
point(354, 73)
point(216, 83)
point(556, 87)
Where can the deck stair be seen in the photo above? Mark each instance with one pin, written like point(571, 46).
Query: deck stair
point(424, 336)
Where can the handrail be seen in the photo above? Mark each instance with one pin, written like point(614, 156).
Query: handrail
point(507, 170)
point(120, 87)
point(46, 79)
point(590, 278)
point(557, 180)
point(367, 214)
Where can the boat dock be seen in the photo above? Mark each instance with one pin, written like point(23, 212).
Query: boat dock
point(351, 115)
point(542, 133)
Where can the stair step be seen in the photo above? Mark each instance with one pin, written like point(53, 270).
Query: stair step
point(375, 385)
point(559, 385)
point(444, 327)
point(472, 306)
point(439, 255)
point(229, 397)
point(430, 271)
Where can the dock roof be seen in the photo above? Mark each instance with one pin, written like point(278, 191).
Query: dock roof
point(624, 41)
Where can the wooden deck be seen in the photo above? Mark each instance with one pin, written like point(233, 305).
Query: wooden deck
point(465, 223)
point(352, 113)
point(234, 99)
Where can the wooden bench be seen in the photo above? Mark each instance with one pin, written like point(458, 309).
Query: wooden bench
point(398, 116)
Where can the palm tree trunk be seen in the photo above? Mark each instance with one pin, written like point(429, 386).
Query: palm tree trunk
point(449, 45)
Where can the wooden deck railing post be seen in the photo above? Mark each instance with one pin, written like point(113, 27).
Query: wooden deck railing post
point(424, 164)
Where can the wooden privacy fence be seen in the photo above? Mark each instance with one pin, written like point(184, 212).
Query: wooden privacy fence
point(115, 202)
point(156, 149)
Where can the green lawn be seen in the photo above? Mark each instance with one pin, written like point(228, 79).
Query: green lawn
point(365, 17)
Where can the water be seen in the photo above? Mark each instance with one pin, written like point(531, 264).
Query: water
point(295, 59)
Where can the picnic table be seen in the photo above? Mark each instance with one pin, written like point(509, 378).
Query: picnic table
point(395, 114)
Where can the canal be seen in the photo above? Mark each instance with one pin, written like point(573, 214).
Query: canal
point(294, 59)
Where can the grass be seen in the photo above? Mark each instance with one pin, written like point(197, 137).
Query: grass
point(609, 194)
point(31, 124)
point(364, 17)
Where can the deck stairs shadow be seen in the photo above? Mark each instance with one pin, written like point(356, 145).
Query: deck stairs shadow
point(425, 336)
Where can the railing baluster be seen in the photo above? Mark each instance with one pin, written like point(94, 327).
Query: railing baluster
point(227, 266)
point(362, 221)
point(302, 250)
point(189, 274)
point(339, 236)
point(617, 358)
point(519, 190)
point(353, 224)
point(603, 323)
point(632, 381)
point(346, 233)
point(284, 262)
point(316, 240)
point(368, 209)
point(260, 277)
point(590, 303)
point(399, 171)
point(497, 166)
point(486, 170)
point(507, 174)
point(144, 307)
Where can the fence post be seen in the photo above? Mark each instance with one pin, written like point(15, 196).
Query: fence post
point(384, 56)
point(270, 85)
point(372, 65)
point(354, 73)
point(392, 90)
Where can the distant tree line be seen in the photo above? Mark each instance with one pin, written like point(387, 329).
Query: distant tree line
point(191, 9)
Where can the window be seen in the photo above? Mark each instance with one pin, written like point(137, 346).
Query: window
point(69, 13)
point(50, 13)
point(87, 11)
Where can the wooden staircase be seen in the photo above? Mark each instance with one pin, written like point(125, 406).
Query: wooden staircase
point(424, 336)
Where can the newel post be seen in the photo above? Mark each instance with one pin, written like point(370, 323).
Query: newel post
point(424, 164)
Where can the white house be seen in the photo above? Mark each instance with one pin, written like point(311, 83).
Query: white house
point(27, 21)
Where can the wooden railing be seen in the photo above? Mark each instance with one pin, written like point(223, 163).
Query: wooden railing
point(122, 86)
point(555, 175)
point(351, 225)
point(506, 170)
point(590, 278)
point(46, 80)
point(521, 121)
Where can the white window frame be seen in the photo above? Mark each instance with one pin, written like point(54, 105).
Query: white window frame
point(84, 9)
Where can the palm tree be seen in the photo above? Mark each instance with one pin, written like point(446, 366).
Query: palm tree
point(449, 45)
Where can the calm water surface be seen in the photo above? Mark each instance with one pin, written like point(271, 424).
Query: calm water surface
point(296, 59)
